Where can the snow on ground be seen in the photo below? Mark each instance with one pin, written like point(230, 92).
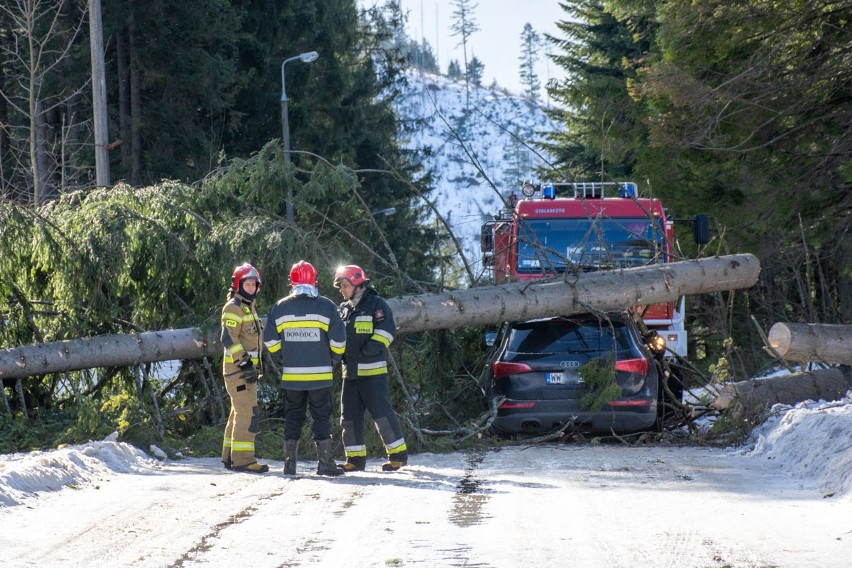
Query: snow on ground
point(810, 440)
point(784, 499)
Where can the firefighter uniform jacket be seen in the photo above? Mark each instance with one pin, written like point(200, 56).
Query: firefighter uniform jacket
point(370, 329)
point(242, 334)
point(307, 337)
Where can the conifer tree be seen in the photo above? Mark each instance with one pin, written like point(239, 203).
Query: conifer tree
point(602, 126)
point(530, 45)
point(464, 25)
point(474, 72)
point(454, 71)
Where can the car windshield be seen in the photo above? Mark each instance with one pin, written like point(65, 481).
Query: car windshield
point(554, 245)
point(597, 337)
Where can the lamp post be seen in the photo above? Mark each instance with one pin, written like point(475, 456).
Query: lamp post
point(306, 57)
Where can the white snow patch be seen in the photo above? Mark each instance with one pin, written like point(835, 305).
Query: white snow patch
point(812, 439)
point(24, 476)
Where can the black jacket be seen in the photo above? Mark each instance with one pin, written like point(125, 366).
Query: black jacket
point(370, 329)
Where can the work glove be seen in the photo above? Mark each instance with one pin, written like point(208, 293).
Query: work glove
point(248, 372)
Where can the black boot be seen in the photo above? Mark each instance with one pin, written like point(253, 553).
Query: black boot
point(325, 459)
point(291, 456)
point(395, 461)
point(354, 464)
point(253, 467)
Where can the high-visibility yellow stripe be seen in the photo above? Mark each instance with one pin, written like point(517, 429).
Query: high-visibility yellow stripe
point(372, 369)
point(307, 377)
point(242, 446)
point(387, 337)
point(313, 324)
point(372, 372)
point(338, 350)
point(381, 339)
point(231, 319)
point(396, 447)
point(355, 451)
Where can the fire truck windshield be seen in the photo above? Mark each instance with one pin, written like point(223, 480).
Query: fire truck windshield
point(556, 245)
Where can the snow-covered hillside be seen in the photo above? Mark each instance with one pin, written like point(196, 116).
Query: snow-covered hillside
point(476, 151)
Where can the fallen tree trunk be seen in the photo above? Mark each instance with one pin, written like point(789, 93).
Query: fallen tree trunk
point(605, 290)
point(806, 342)
point(107, 351)
point(824, 384)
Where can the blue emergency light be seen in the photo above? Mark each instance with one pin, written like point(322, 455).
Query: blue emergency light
point(628, 189)
point(548, 192)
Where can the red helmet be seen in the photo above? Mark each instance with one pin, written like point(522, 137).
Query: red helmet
point(354, 274)
point(303, 273)
point(242, 272)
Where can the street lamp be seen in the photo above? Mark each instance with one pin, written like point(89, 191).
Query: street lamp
point(306, 57)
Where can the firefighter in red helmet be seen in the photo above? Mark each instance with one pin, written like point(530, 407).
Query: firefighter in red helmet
point(242, 339)
point(370, 329)
point(306, 336)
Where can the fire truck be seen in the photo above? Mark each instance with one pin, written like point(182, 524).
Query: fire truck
point(596, 226)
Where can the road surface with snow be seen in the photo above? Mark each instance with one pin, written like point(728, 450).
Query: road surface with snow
point(108, 504)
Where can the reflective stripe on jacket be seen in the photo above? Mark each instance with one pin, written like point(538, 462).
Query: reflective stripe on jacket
point(242, 334)
point(307, 337)
point(370, 330)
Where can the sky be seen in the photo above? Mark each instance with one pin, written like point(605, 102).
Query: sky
point(497, 43)
point(784, 498)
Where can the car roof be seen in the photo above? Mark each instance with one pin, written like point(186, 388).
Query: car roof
point(620, 316)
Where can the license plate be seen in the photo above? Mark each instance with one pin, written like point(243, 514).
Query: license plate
point(554, 378)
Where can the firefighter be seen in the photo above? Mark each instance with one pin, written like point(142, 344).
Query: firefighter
point(305, 334)
point(370, 329)
point(242, 339)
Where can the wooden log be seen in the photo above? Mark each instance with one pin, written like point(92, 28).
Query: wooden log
point(107, 351)
point(605, 290)
point(806, 342)
point(821, 384)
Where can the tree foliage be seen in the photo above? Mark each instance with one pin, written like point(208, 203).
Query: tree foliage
point(603, 126)
point(739, 109)
point(463, 26)
point(125, 259)
point(530, 46)
point(192, 98)
point(475, 69)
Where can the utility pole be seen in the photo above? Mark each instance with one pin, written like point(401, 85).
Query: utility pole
point(96, 45)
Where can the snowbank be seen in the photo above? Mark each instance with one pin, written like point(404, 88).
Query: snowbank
point(812, 439)
point(25, 475)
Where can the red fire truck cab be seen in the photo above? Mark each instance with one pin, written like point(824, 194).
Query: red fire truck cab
point(598, 226)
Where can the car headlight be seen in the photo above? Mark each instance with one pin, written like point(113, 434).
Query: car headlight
point(656, 343)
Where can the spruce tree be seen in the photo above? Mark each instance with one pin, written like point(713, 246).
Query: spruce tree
point(602, 126)
point(464, 25)
point(530, 45)
point(474, 72)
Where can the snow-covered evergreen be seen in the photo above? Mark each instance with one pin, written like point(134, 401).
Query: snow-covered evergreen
point(477, 155)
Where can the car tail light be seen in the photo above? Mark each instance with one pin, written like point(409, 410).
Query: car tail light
point(631, 402)
point(502, 369)
point(638, 366)
point(508, 404)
